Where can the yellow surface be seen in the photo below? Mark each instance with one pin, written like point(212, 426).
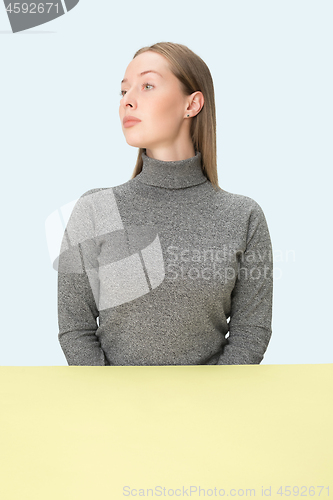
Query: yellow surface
point(77, 433)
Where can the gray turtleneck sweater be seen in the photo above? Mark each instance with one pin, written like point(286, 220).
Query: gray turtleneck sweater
point(165, 270)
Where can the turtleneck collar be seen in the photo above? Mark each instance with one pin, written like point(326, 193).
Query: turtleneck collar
point(171, 174)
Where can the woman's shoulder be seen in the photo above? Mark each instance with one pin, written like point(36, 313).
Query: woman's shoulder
point(102, 200)
point(92, 191)
point(96, 192)
point(240, 209)
point(240, 201)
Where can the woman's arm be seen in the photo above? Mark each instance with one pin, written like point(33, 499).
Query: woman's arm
point(251, 299)
point(78, 289)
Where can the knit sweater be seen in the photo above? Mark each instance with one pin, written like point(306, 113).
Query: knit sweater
point(165, 270)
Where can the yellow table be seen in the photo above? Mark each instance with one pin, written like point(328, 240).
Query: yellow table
point(77, 433)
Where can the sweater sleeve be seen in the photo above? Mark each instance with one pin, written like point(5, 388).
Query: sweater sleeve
point(78, 288)
point(251, 299)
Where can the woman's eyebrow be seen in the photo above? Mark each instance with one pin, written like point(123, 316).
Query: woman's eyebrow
point(143, 73)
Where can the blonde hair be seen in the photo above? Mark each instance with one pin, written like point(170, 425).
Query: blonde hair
point(194, 75)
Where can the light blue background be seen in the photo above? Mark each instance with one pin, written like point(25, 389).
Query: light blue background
point(271, 62)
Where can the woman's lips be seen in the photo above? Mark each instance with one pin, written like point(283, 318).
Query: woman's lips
point(130, 123)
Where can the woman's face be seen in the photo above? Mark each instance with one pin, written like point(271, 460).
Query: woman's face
point(157, 100)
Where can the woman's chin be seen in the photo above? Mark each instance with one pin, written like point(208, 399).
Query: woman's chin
point(135, 144)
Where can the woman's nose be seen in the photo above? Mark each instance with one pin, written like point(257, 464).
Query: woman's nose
point(130, 97)
point(128, 101)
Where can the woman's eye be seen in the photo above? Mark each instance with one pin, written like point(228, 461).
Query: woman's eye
point(122, 92)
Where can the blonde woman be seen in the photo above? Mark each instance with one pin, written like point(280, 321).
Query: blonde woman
point(167, 268)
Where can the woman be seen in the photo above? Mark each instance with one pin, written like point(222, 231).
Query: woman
point(151, 271)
